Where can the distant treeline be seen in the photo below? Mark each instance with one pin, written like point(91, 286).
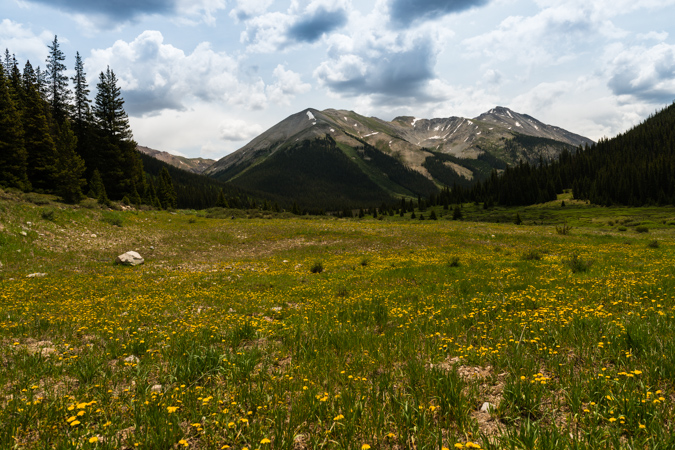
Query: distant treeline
point(635, 168)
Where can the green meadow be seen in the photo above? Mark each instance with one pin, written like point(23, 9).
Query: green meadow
point(248, 330)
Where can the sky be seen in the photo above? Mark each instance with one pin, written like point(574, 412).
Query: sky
point(201, 78)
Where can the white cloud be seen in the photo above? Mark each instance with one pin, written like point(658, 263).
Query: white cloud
point(199, 11)
point(644, 74)
point(288, 85)
point(25, 44)
point(154, 76)
point(246, 9)
point(274, 31)
point(238, 130)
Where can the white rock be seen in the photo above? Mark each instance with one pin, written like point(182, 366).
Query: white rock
point(487, 406)
point(93, 235)
point(36, 275)
point(130, 259)
point(23, 233)
point(131, 359)
point(156, 388)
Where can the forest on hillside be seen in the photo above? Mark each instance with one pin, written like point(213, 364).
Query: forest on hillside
point(54, 139)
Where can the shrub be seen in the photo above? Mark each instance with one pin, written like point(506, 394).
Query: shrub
point(454, 261)
point(532, 255)
point(47, 214)
point(578, 264)
point(36, 199)
point(654, 244)
point(342, 291)
point(89, 203)
point(112, 219)
point(622, 228)
point(517, 220)
point(642, 229)
point(317, 267)
point(364, 261)
point(563, 229)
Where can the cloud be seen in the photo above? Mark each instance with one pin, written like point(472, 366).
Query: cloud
point(155, 76)
point(312, 26)
point(541, 97)
point(274, 31)
point(644, 73)
point(407, 12)
point(111, 13)
point(385, 65)
point(247, 9)
point(288, 85)
point(555, 35)
point(238, 130)
point(22, 42)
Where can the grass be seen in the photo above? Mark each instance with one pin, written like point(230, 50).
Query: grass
point(224, 337)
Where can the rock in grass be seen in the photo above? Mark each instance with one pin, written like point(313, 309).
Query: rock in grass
point(36, 275)
point(486, 407)
point(130, 259)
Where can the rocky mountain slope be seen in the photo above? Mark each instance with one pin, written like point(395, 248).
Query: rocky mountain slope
point(407, 156)
point(194, 165)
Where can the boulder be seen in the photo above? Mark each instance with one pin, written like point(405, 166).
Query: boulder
point(130, 259)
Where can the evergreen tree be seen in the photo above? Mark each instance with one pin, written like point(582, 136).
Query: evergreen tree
point(58, 92)
point(70, 166)
point(13, 157)
point(38, 141)
point(82, 111)
point(166, 192)
point(457, 213)
point(116, 156)
point(221, 202)
point(97, 188)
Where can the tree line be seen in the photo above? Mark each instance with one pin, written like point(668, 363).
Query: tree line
point(54, 139)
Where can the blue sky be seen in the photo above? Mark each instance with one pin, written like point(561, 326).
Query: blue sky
point(203, 77)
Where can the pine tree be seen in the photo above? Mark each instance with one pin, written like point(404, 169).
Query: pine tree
point(457, 213)
point(221, 202)
point(82, 111)
point(97, 188)
point(70, 166)
point(38, 141)
point(116, 156)
point(166, 192)
point(58, 92)
point(13, 157)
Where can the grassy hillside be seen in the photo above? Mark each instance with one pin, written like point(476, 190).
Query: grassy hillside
point(309, 333)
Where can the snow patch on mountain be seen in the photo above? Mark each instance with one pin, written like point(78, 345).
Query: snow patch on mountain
point(310, 115)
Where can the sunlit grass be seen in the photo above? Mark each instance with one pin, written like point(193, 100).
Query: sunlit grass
point(228, 338)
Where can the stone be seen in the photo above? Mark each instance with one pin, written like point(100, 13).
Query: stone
point(487, 406)
point(36, 275)
point(23, 233)
point(130, 259)
point(131, 359)
point(93, 235)
point(156, 388)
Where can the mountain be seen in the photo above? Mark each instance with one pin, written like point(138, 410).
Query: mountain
point(634, 168)
point(194, 165)
point(407, 156)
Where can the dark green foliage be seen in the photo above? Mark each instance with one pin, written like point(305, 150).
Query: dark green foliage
point(97, 188)
point(316, 174)
point(454, 261)
point(517, 220)
point(165, 191)
point(642, 229)
point(432, 215)
point(69, 166)
point(634, 168)
point(13, 156)
point(577, 264)
point(653, 244)
point(457, 213)
point(317, 267)
point(58, 92)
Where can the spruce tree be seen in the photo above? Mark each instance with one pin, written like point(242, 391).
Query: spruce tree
point(13, 157)
point(58, 92)
point(97, 188)
point(70, 166)
point(116, 156)
point(38, 141)
point(166, 193)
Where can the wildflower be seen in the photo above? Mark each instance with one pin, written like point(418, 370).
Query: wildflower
point(172, 409)
point(74, 423)
point(458, 445)
point(183, 442)
point(93, 440)
point(643, 426)
point(365, 447)
point(265, 441)
point(338, 417)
